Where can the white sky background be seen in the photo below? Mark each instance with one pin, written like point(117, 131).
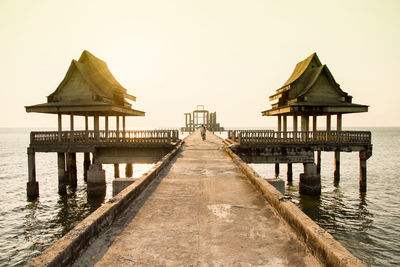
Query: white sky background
point(227, 55)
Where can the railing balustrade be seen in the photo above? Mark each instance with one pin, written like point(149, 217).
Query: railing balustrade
point(300, 137)
point(94, 137)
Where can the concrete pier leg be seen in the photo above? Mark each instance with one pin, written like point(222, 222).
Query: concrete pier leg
point(116, 170)
point(319, 162)
point(337, 167)
point(71, 169)
point(289, 173)
point(310, 180)
point(32, 187)
point(276, 169)
point(96, 183)
point(62, 181)
point(129, 170)
point(86, 164)
point(363, 172)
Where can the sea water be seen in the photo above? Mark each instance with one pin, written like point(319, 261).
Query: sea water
point(366, 224)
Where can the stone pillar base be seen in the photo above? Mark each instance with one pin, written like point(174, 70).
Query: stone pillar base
point(310, 180)
point(310, 184)
point(32, 189)
point(96, 180)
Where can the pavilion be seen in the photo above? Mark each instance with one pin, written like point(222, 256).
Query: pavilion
point(311, 91)
point(90, 90)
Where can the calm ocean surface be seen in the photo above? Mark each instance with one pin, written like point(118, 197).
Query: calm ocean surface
point(366, 224)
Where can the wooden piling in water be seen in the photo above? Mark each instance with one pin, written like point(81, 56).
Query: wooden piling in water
point(32, 187)
point(86, 164)
point(62, 183)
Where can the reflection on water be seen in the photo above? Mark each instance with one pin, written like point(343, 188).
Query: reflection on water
point(365, 223)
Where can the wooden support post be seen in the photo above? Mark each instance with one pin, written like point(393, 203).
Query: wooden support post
point(62, 180)
point(314, 123)
point(328, 122)
point(117, 126)
point(123, 128)
point(289, 173)
point(86, 123)
point(319, 162)
point(363, 171)
point(106, 126)
point(337, 167)
point(307, 123)
point(128, 170)
point(276, 170)
point(96, 126)
point(116, 170)
point(279, 123)
point(295, 126)
point(71, 169)
point(303, 123)
point(284, 126)
point(86, 165)
point(71, 122)
point(339, 122)
point(32, 187)
point(59, 127)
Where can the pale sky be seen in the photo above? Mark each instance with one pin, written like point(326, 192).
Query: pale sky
point(227, 55)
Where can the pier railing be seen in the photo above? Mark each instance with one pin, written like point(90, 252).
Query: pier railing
point(311, 138)
point(105, 137)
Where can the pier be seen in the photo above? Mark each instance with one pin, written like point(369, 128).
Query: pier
point(205, 208)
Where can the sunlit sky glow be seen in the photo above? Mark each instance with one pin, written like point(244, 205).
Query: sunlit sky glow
point(227, 55)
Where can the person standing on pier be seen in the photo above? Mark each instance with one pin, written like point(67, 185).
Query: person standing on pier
point(203, 132)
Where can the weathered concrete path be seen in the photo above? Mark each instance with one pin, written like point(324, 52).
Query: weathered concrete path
point(201, 211)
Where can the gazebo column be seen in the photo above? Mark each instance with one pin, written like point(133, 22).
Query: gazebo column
point(117, 126)
point(123, 128)
point(279, 136)
point(363, 171)
point(328, 123)
point(59, 127)
point(116, 170)
point(62, 183)
point(337, 152)
point(96, 181)
point(96, 126)
point(106, 126)
point(32, 187)
point(129, 170)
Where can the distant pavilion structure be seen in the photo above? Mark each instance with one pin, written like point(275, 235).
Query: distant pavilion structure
point(89, 90)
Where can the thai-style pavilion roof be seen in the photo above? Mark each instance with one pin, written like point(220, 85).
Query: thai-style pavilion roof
point(88, 88)
point(312, 90)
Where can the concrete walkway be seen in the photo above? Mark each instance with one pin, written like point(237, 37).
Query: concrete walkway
point(200, 211)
